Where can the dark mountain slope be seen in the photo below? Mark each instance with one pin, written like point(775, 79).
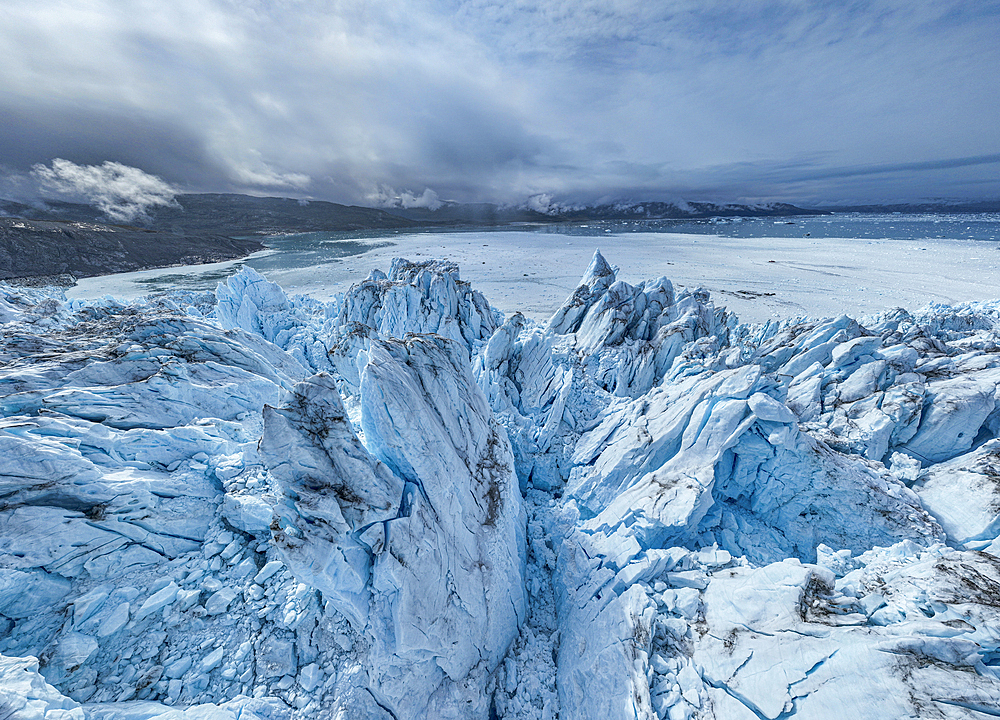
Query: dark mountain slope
point(37, 249)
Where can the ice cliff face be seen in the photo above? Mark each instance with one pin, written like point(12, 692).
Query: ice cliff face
point(401, 505)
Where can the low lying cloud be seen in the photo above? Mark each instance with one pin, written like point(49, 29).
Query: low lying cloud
point(389, 198)
point(260, 175)
point(121, 192)
point(543, 203)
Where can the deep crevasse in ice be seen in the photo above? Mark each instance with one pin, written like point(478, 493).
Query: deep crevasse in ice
point(400, 504)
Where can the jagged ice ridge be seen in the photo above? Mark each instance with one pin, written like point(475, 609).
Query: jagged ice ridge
point(401, 504)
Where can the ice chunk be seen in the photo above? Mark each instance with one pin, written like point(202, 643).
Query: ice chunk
point(276, 657)
point(212, 660)
point(157, 601)
point(267, 571)
point(24, 693)
point(334, 491)
point(963, 494)
point(118, 618)
point(954, 411)
point(179, 667)
point(310, 677)
point(72, 651)
point(249, 513)
point(219, 601)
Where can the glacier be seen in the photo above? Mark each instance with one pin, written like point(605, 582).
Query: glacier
point(402, 504)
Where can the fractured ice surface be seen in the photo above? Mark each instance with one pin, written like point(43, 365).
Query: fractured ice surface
point(425, 560)
point(401, 504)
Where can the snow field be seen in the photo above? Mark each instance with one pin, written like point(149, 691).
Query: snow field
point(758, 279)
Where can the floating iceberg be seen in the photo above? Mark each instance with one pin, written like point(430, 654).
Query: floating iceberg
point(400, 504)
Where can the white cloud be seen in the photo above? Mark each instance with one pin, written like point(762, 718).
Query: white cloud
point(263, 176)
point(542, 203)
point(387, 197)
point(121, 192)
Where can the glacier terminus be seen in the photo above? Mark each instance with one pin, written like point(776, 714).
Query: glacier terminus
point(402, 504)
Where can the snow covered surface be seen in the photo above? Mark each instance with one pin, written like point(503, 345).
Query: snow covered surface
point(403, 503)
point(759, 279)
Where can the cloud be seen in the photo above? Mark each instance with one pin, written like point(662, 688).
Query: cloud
point(542, 203)
point(260, 175)
point(121, 192)
point(501, 101)
point(387, 197)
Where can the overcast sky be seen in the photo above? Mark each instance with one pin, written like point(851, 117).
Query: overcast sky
point(365, 101)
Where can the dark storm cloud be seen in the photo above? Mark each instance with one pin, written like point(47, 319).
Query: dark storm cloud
point(36, 131)
point(910, 167)
point(486, 100)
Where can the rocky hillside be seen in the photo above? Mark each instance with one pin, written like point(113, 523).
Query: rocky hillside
point(48, 249)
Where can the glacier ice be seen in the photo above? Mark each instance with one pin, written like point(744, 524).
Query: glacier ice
point(400, 504)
